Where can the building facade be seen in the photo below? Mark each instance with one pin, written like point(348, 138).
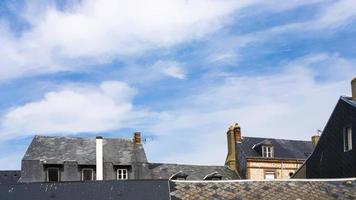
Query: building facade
point(335, 154)
point(57, 159)
point(265, 158)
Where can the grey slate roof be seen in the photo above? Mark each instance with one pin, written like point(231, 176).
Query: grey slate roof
point(56, 150)
point(306, 189)
point(92, 190)
point(283, 149)
point(9, 176)
point(194, 172)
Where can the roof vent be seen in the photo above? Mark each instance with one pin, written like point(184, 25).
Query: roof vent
point(213, 176)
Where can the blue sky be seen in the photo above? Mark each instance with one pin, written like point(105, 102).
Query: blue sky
point(179, 71)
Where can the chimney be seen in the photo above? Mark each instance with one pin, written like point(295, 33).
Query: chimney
point(233, 137)
point(137, 138)
point(99, 158)
point(315, 139)
point(353, 88)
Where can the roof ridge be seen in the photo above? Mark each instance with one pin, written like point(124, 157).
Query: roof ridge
point(276, 139)
point(188, 164)
point(78, 137)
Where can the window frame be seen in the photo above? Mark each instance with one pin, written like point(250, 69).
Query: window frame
point(270, 172)
point(122, 174)
point(267, 151)
point(92, 173)
point(347, 138)
point(58, 174)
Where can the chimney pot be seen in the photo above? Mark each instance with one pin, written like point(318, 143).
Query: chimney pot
point(137, 138)
point(353, 88)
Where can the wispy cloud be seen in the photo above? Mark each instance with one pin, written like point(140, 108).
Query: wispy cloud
point(99, 31)
point(292, 104)
point(170, 68)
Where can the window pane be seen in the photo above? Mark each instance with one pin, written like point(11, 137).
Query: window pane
point(53, 175)
point(349, 138)
point(87, 175)
point(269, 175)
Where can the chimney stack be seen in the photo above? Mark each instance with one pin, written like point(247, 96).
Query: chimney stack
point(315, 139)
point(353, 88)
point(233, 137)
point(137, 138)
point(99, 158)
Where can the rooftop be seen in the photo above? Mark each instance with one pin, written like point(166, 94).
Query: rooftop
point(283, 149)
point(56, 150)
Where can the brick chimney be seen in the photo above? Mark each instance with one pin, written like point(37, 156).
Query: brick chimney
point(353, 88)
point(233, 138)
point(137, 138)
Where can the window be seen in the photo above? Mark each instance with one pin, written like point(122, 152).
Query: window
point(52, 174)
point(267, 151)
point(122, 174)
point(87, 174)
point(347, 139)
point(291, 174)
point(269, 175)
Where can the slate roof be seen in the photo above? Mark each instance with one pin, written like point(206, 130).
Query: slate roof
point(56, 150)
point(185, 190)
point(348, 100)
point(285, 190)
point(194, 172)
point(283, 149)
point(92, 190)
point(10, 176)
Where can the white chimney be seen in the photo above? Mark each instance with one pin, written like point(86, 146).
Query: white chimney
point(99, 158)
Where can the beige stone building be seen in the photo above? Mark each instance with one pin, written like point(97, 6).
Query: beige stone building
point(265, 158)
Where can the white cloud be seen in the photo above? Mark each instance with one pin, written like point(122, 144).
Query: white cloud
point(170, 68)
point(73, 109)
point(291, 104)
point(100, 30)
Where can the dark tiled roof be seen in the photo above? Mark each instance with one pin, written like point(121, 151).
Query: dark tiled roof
point(194, 172)
point(284, 149)
point(9, 177)
point(348, 100)
point(95, 190)
point(189, 190)
point(59, 149)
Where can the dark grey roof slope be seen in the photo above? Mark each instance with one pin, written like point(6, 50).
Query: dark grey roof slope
point(10, 176)
point(284, 149)
point(95, 190)
point(348, 100)
point(194, 172)
point(336, 189)
point(56, 150)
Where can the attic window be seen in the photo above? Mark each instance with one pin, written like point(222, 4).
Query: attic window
point(179, 176)
point(122, 174)
point(347, 139)
point(52, 174)
point(267, 151)
point(87, 174)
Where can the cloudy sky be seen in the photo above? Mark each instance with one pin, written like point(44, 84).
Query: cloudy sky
point(179, 71)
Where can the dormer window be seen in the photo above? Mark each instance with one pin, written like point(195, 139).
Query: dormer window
point(267, 151)
point(179, 176)
point(122, 174)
